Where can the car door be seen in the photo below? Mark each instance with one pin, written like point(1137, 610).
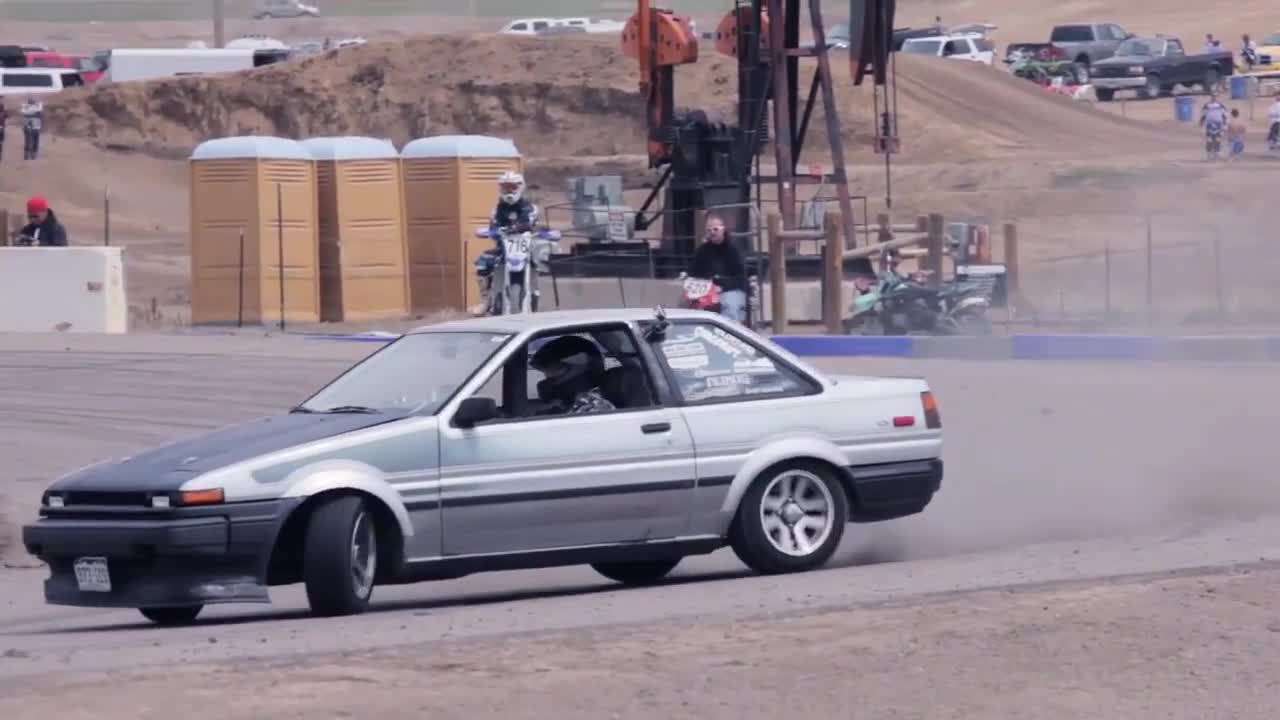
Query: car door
point(735, 396)
point(535, 483)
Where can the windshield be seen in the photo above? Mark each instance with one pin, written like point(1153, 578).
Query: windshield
point(1140, 47)
point(415, 374)
point(922, 47)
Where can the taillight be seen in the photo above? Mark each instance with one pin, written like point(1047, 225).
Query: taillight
point(932, 418)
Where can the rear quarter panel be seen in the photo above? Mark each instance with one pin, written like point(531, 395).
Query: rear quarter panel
point(849, 423)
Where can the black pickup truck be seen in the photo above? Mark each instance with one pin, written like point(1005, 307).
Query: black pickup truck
point(1153, 66)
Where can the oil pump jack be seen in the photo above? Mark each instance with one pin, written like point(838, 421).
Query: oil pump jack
point(707, 164)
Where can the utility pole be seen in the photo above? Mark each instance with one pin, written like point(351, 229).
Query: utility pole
point(218, 9)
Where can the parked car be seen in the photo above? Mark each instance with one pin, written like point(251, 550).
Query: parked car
point(37, 81)
point(439, 455)
point(1087, 43)
point(972, 47)
point(283, 9)
point(1154, 66)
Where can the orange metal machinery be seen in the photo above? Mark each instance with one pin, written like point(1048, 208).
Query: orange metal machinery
point(709, 164)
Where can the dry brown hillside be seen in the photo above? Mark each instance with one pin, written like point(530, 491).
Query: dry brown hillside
point(569, 97)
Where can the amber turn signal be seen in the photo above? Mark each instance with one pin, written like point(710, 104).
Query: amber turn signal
point(200, 497)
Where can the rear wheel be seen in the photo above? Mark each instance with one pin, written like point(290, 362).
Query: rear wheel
point(791, 519)
point(642, 572)
point(340, 558)
point(180, 615)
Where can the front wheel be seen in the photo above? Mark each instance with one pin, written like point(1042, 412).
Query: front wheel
point(340, 558)
point(973, 322)
point(180, 615)
point(642, 572)
point(791, 519)
point(863, 324)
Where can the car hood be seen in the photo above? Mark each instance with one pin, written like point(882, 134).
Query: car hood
point(165, 468)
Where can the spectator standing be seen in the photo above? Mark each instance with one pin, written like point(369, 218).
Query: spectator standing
point(43, 227)
point(32, 122)
point(1236, 130)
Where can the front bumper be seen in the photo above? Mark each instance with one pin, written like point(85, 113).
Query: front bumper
point(181, 556)
point(1118, 83)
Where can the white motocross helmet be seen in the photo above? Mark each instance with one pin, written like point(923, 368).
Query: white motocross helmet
point(511, 187)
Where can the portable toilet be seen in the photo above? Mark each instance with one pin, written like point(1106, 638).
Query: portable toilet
point(254, 235)
point(450, 188)
point(363, 257)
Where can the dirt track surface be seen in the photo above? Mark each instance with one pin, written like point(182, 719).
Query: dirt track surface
point(1008, 596)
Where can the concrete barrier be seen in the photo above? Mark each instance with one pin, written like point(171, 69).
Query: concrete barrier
point(63, 289)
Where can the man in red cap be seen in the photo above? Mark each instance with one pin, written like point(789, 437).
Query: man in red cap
point(42, 226)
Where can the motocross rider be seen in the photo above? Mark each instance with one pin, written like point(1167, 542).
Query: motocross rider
point(574, 369)
point(514, 211)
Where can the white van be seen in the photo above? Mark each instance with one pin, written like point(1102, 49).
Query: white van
point(125, 64)
point(974, 47)
point(526, 26)
point(37, 81)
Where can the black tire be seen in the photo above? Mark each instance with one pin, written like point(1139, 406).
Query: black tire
point(1080, 71)
point(1105, 94)
point(180, 615)
point(640, 572)
point(974, 322)
point(328, 568)
point(1152, 89)
point(751, 539)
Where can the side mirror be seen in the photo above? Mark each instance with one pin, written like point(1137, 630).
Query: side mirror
point(475, 410)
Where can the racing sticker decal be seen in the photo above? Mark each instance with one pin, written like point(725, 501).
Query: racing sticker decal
point(722, 340)
point(729, 381)
point(682, 349)
point(758, 365)
point(689, 362)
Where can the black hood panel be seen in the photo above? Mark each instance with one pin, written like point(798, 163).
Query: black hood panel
point(165, 468)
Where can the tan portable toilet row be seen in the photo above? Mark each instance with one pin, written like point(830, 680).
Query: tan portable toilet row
point(367, 232)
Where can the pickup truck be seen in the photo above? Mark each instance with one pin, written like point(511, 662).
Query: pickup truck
point(1153, 66)
point(1087, 43)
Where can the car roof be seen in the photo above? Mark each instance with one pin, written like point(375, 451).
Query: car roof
point(554, 319)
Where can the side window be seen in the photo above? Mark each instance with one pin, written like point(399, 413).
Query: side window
point(520, 26)
point(710, 363)
point(540, 25)
point(951, 48)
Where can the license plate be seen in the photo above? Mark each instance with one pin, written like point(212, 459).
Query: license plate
point(92, 575)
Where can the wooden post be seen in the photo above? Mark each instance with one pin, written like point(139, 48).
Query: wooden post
point(1012, 288)
point(4, 225)
point(935, 246)
point(777, 275)
point(833, 276)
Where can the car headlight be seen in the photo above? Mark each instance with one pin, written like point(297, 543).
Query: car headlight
point(1136, 70)
point(53, 500)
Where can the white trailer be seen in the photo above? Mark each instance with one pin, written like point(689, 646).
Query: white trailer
point(126, 64)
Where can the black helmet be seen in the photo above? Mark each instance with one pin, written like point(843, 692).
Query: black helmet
point(571, 363)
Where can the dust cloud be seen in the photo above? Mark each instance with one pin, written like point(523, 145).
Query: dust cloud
point(1041, 451)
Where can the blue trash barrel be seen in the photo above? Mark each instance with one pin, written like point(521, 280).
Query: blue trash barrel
point(1239, 87)
point(1184, 108)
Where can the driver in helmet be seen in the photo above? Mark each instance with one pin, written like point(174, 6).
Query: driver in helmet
point(514, 211)
point(574, 369)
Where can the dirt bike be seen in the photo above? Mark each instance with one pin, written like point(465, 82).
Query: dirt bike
point(699, 294)
point(897, 305)
point(512, 275)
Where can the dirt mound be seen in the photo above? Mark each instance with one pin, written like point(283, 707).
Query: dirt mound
point(568, 97)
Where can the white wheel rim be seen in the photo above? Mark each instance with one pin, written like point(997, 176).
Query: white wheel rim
point(364, 555)
point(796, 513)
